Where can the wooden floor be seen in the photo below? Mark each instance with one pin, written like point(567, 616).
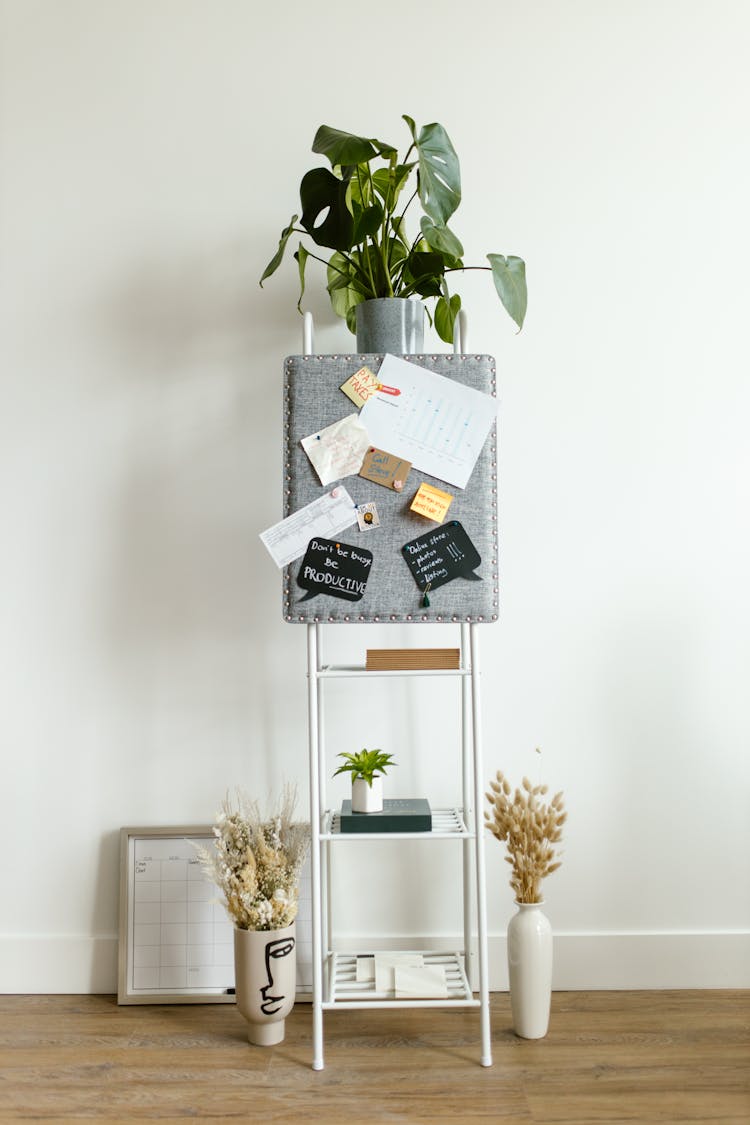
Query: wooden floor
point(608, 1057)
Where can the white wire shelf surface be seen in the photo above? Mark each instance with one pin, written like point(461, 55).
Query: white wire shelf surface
point(447, 824)
point(347, 992)
point(334, 671)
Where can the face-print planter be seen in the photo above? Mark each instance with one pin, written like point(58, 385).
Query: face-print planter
point(265, 972)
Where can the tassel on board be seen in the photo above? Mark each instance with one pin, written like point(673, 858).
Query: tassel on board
point(425, 599)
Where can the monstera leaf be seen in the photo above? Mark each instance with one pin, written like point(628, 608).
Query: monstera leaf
point(275, 262)
point(446, 311)
point(323, 194)
point(439, 171)
point(509, 275)
point(344, 149)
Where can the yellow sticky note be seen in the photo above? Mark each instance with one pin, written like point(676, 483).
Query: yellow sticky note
point(431, 502)
point(360, 386)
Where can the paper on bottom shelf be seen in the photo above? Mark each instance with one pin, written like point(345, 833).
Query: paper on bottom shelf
point(366, 973)
point(426, 981)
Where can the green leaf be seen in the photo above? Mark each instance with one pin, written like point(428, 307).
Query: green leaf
point(367, 222)
point(301, 256)
point(439, 174)
point(345, 148)
point(446, 312)
point(323, 194)
point(440, 238)
point(509, 276)
point(388, 182)
point(426, 264)
point(343, 288)
point(412, 127)
point(275, 262)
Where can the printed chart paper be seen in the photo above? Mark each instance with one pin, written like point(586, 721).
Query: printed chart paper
point(338, 450)
point(325, 517)
point(435, 423)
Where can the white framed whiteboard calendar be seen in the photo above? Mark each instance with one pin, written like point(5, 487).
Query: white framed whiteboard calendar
point(176, 939)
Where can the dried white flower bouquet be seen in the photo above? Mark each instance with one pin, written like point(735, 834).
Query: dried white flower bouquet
point(529, 827)
point(257, 861)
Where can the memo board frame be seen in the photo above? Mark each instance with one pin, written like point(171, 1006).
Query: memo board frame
point(126, 992)
point(312, 400)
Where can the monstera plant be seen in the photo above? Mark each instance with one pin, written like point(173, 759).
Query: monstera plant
point(358, 209)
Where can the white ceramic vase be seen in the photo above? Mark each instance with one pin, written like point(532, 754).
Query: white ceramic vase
point(367, 798)
point(530, 970)
point(265, 972)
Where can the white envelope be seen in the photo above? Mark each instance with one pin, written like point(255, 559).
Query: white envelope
point(386, 964)
point(426, 981)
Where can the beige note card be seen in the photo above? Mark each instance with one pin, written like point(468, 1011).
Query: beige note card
point(385, 468)
point(360, 386)
point(431, 502)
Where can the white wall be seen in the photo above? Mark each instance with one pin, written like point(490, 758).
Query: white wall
point(150, 154)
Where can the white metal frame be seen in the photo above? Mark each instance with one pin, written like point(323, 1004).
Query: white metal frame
point(334, 978)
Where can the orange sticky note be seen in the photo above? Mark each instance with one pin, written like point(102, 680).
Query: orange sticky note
point(431, 502)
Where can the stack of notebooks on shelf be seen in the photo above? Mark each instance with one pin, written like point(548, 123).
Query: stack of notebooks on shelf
point(408, 659)
point(399, 814)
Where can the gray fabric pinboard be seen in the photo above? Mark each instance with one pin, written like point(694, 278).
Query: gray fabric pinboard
point(312, 400)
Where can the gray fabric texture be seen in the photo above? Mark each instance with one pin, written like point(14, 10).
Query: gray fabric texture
point(313, 400)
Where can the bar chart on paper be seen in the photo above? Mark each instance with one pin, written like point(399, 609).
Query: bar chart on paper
point(181, 936)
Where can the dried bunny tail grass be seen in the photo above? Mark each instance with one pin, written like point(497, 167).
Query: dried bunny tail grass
point(529, 827)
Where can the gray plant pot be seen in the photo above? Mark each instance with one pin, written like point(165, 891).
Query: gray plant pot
point(391, 324)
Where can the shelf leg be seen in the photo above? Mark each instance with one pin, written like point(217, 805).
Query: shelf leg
point(484, 993)
point(467, 803)
point(317, 953)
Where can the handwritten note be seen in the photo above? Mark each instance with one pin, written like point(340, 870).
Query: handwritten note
point(327, 516)
point(431, 502)
point(360, 386)
point(333, 568)
point(439, 425)
point(384, 468)
point(442, 555)
point(337, 451)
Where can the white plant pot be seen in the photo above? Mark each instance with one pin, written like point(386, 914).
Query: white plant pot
point(367, 798)
point(530, 970)
point(265, 971)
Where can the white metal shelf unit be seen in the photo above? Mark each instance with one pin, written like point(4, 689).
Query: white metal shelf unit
point(334, 972)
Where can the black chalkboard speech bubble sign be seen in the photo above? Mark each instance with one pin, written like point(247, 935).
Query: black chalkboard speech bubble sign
point(442, 555)
point(334, 568)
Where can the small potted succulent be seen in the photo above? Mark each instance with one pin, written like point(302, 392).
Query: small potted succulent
point(358, 212)
point(367, 768)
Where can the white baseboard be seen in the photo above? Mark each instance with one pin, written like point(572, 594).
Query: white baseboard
point(88, 965)
point(59, 963)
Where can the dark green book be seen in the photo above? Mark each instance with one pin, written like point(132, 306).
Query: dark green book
point(410, 814)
